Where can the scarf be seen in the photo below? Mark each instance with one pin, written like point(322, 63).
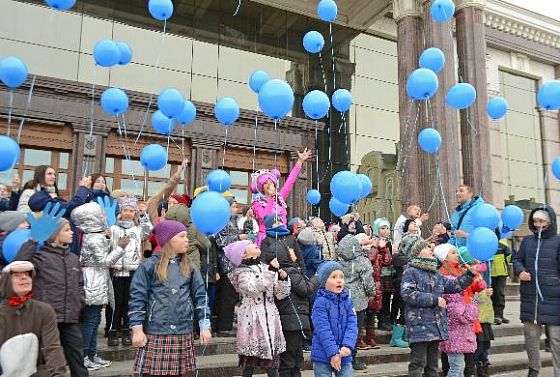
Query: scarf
point(251, 262)
point(16, 301)
point(426, 264)
point(278, 231)
point(125, 224)
point(451, 269)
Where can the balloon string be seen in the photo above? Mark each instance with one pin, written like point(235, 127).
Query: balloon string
point(92, 105)
point(316, 149)
point(450, 29)
point(126, 153)
point(278, 146)
point(238, 8)
point(145, 184)
point(255, 138)
point(225, 146)
point(29, 95)
point(323, 70)
point(345, 124)
point(10, 105)
point(183, 143)
point(332, 56)
point(408, 146)
point(401, 142)
point(438, 175)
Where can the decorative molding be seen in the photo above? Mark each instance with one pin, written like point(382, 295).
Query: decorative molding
point(406, 8)
point(462, 4)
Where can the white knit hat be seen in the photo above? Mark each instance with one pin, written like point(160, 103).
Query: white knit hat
point(441, 251)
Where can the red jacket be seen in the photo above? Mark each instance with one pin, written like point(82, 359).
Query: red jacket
point(379, 258)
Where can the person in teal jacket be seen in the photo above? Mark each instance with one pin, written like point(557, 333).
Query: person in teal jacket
point(461, 219)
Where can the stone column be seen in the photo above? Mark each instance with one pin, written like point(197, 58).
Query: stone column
point(475, 133)
point(550, 136)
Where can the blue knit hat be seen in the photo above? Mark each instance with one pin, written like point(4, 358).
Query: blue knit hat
point(326, 269)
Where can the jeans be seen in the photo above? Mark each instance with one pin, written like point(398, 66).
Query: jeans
point(482, 350)
point(325, 370)
point(456, 364)
point(71, 341)
point(532, 334)
point(92, 319)
point(424, 359)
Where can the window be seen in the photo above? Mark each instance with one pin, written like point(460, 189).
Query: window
point(240, 186)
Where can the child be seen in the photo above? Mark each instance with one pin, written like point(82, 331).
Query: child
point(165, 295)
point(484, 338)
point(382, 230)
point(134, 223)
point(500, 273)
point(259, 333)
point(422, 291)
point(326, 239)
point(335, 323)
point(311, 250)
point(359, 276)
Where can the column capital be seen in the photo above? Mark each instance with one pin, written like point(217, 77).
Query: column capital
point(406, 8)
point(462, 4)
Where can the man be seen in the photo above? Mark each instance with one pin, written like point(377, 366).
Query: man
point(413, 212)
point(461, 219)
point(538, 268)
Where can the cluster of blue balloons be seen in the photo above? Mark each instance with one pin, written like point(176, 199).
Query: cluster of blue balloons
point(13, 72)
point(173, 108)
point(347, 188)
point(153, 157)
point(548, 95)
point(114, 101)
point(60, 5)
point(218, 180)
point(497, 108)
point(210, 212)
point(227, 111)
point(313, 197)
point(556, 167)
point(161, 10)
point(108, 53)
point(429, 140)
point(10, 151)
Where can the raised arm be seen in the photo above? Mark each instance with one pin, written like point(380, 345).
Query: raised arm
point(165, 191)
point(287, 188)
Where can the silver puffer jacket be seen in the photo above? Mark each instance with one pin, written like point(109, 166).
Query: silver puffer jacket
point(97, 254)
point(133, 252)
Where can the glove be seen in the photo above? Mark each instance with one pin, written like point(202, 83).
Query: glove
point(43, 227)
point(110, 208)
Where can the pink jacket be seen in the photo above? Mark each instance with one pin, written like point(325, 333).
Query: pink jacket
point(268, 206)
point(461, 317)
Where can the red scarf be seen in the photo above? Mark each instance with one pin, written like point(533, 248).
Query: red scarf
point(16, 301)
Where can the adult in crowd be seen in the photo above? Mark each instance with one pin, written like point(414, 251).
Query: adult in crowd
point(326, 239)
point(461, 219)
point(9, 199)
point(538, 267)
point(248, 224)
point(98, 187)
point(413, 212)
point(44, 179)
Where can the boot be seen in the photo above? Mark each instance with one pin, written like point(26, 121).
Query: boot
point(479, 369)
point(486, 369)
point(370, 338)
point(126, 338)
point(113, 340)
point(361, 343)
point(358, 364)
point(397, 338)
point(532, 373)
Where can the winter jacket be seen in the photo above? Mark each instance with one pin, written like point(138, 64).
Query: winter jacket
point(501, 260)
point(335, 326)
point(379, 258)
point(398, 231)
point(11, 203)
point(246, 225)
point(96, 255)
point(358, 272)
point(310, 250)
point(167, 308)
point(544, 269)
point(58, 280)
point(327, 242)
point(460, 316)
point(485, 308)
point(133, 251)
point(272, 247)
point(259, 331)
point(420, 290)
point(464, 211)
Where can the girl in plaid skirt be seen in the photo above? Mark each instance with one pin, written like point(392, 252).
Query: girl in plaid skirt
point(166, 293)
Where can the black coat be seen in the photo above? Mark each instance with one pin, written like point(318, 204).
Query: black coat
point(545, 270)
point(11, 203)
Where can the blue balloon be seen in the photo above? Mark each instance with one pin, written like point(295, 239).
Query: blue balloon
point(60, 4)
point(422, 83)
point(9, 150)
point(482, 243)
point(160, 9)
point(556, 167)
point(153, 157)
point(327, 10)
point(367, 185)
point(188, 115)
point(218, 180)
point(210, 212)
point(338, 208)
point(461, 96)
point(432, 59)
point(497, 108)
point(512, 217)
point(313, 197)
point(171, 102)
point(13, 243)
point(125, 53)
point(13, 71)
point(429, 140)
point(227, 111)
point(345, 187)
point(114, 101)
point(257, 80)
point(442, 10)
point(276, 99)
point(316, 104)
point(548, 95)
point(486, 216)
point(162, 124)
point(313, 42)
point(342, 100)
point(106, 53)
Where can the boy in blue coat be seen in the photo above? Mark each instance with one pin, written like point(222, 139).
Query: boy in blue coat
point(335, 323)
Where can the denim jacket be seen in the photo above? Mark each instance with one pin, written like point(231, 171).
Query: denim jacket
point(167, 308)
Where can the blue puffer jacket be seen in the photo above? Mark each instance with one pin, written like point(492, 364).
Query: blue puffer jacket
point(167, 308)
point(420, 290)
point(545, 270)
point(313, 257)
point(466, 224)
point(336, 326)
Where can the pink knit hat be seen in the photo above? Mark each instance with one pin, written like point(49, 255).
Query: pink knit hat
point(234, 251)
point(166, 230)
point(261, 177)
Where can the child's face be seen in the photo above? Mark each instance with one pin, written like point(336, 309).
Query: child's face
point(233, 209)
point(65, 235)
point(335, 282)
point(23, 225)
point(252, 251)
point(127, 213)
point(413, 227)
point(180, 243)
point(384, 232)
point(452, 256)
point(540, 223)
point(426, 252)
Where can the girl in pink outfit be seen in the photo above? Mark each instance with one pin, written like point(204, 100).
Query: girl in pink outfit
point(273, 202)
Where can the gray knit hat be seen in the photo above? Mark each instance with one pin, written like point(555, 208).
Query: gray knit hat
point(10, 220)
point(417, 246)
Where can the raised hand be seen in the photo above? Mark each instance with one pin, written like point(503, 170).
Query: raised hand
point(109, 206)
point(43, 227)
point(304, 156)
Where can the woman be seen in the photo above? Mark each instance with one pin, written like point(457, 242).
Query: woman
point(43, 179)
point(247, 224)
point(98, 187)
point(273, 202)
point(26, 323)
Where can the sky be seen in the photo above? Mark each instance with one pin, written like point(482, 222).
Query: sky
point(551, 8)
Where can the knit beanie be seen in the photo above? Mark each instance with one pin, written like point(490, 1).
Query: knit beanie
point(180, 213)
point(441, 251)
point(378, 224)
point(269, 221)
point(307, 237)
point(235, 251)
point(128, 202)
point(10, 220)
point(406, 225)
point(166, 230)
point(326, 269)
point(417, 246)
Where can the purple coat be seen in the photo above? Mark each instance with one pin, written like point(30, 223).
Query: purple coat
point(461, 317)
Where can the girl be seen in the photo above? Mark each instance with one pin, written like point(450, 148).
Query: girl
point(99, 187)
point(134, 224)
point(260, 340)
point(43, 179)
point(382, 230)
point(165, 294)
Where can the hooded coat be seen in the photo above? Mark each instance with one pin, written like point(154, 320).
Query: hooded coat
point(544, 266)
point(310, 250)
point(461, 317)
point(133, 251)
point(327, 242)
point(358, 272)
point(379, 257)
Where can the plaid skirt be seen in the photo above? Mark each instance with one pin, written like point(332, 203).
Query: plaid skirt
point(166, 355)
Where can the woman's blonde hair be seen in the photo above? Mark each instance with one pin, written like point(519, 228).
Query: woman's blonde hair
point(166, 254)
